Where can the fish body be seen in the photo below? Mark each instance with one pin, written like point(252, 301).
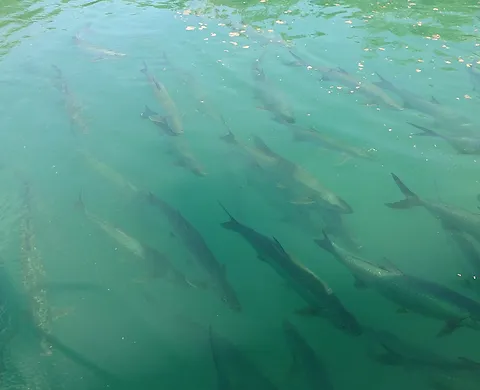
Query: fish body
point(272, 98)
point(313, 290)
point(196, 245)
point(322, 140)
point(474, 73)
point(462, 144)
point(409, 292)
point(100, 51)
point(172, 117)
point(471, 255)
point(451, 217)
point(306, 360)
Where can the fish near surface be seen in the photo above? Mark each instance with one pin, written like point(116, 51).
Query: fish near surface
point(306, 360)
point(172, 116)
point(462, 144)
point(306, 183)
point(272, 98)
point(410, 293)
point(471, 255)
point(474, 73)
point(196, 245)
point(451, 217)
point(320, 298)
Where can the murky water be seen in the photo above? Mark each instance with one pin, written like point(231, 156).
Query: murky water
point(239, 195)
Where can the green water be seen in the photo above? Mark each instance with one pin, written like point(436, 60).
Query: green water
point(78, 160)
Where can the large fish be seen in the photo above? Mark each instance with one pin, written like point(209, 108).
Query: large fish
point(272, 98)
point(325, 141)
point(474, 73)
point(320, 298)
point(196, 245)
point(471, 255)
point(305, 360)
point(308, 185)
point(234, 371)
point(178, 147)
point(172, 116)
point(367, 89)
point(451, 217)
point(393, 351)
point(443, 116)
point(72, 105)
point(462, 144)
point(158, 263)
point(410, 293)
point(100, 52)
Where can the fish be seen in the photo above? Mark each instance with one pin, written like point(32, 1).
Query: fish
point(453, 380)
point(322, 140)
point(272, 98)
point(196, 245)
point(443, 115)
point(172, 116)
point(72, 105)
point(370, 90)
point(101, 52)
point(320, 298)
point(234, 371)
point(178, 148)
point(394, 351)
point(462, 144)
point(451, 217)
point(305, 182)
point(159, 264)
point(410, 293)
point(474, 73)
point(306, 360)
point(471, 256)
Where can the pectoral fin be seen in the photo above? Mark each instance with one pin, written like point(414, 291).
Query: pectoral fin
point(449, 328)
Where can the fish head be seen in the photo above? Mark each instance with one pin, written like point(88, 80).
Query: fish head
point(232, 301)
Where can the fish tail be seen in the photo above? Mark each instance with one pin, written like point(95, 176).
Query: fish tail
point(145, 68)
point(325, 243)
point(233, 223)
point(147, 112)
point(79, 204)
point(411, 199)
point(425, 131)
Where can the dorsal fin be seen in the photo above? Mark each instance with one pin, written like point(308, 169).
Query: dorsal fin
point(434, 100)
point(278, 245)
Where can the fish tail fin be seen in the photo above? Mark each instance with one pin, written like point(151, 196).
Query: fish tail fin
point(145, 68)
point(261, 145)
point(229, 138)
point(411, 199)
point(147, 112)
point(425, 131)
point(79, 204)
point(232, 223)
point(325, 243)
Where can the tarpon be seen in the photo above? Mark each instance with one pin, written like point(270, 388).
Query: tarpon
point(367, 89)
point(158, 263)
point(234, 371)
point(272, 98)
point(410, 293)
point(471, 255)
point(474, 73)
point(72, 105)
point(462, 144)
point(172, 116)
point(322, 140)
point(306, 182)
point(394, 351)
point(305, 360)
point(443, 116)
point(101, 52)
point(451, 217)
point(320, 298)
point(196, 245)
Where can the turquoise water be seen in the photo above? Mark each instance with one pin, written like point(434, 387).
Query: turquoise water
point(117, 272)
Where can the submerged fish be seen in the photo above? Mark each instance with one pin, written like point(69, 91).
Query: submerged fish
point(172, 116)
point(369, 90)
point(471, 255)
point(440, 113)
point(462, 144)
point(72, 105)
point(306, 360)
point(158, 262)
point(306, 183)
point(394, 351)
point(234, 371)
point(474, 73)
point(320, 298)
point(451, 217)
point(453, 380)
point(196, 245)
point(100, 51)
point(410, 293)
point(272, 98)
